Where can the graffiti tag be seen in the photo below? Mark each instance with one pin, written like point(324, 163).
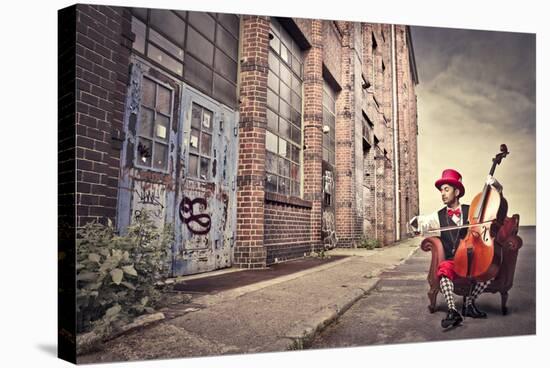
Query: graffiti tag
point(187, 215)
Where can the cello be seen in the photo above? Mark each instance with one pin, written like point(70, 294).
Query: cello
point(477, 256)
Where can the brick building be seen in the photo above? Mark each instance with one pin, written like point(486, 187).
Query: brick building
point(260, 139)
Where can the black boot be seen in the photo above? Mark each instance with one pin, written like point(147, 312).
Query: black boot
point(471, 311)
point(453, 318)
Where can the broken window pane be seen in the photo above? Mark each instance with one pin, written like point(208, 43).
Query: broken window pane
point(144, 152)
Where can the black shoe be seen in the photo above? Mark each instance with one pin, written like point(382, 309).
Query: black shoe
point(453, 318)
point(472, 311)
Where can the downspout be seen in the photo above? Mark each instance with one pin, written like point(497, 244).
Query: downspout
point(395, 136)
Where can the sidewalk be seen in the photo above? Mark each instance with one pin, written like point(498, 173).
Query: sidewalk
point(279, 314)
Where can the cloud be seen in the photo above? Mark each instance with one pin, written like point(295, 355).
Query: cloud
point(476, 91)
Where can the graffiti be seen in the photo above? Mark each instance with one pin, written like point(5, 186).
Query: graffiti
point(152, 198)
point(329, 229)
point(200, 220)
point(328, 182)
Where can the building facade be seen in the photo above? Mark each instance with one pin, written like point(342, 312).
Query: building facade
point(260, 139)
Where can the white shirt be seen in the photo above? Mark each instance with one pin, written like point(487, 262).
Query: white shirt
point(431, 221)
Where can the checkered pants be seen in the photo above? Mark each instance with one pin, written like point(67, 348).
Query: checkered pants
point(447, 287)
point(478, 289)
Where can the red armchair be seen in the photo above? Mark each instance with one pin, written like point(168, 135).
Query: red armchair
point(506, 238)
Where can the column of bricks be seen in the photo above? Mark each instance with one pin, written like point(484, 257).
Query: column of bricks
point(345, 197)
point(249, 249)
point(313, 135)
point(103, 44)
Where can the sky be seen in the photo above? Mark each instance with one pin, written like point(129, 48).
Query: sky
point(476, 90)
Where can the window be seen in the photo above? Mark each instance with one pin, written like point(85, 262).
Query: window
point(329, 120)
point(200, 143)
point(198, 47)
point(154, 125)
point(284, 113)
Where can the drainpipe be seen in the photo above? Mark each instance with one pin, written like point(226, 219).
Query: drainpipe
point(395, 135)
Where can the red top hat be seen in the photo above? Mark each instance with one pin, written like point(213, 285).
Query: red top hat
point(453, 178)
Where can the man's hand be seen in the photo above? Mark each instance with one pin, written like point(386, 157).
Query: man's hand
point(413, 226)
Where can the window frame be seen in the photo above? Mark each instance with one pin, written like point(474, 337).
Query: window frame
point(198, 152)
point(293, 160)
point(218, 76)
point(154, 139)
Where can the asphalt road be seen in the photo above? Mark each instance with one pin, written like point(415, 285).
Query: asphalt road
point(396, 310)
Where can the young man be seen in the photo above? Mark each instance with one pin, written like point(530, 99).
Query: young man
point(453, 214)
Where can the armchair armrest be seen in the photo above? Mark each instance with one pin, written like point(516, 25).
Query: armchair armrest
point(433, 244)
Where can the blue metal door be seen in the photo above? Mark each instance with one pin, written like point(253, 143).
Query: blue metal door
point(205, 220)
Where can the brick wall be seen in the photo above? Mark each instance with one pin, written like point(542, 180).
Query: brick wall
point(341, 50)
point(249, 249)
point(288, 231)
point(103, 43)
point(313, 125)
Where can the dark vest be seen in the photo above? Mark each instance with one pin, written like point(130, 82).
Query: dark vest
point(451, 238)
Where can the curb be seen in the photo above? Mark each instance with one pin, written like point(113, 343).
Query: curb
point(302, 335)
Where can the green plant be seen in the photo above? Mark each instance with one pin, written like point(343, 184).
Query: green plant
point(118, 276)
point(369, 243)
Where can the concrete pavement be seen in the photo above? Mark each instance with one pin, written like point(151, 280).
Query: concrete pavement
point(275, 315)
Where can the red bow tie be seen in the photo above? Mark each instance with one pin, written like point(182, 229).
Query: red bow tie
point(451, 212)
